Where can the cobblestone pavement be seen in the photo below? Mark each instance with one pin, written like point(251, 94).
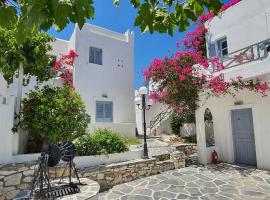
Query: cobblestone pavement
point(219, 182)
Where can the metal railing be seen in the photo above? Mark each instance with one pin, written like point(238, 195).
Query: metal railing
point(258, 51)
point(159, 118)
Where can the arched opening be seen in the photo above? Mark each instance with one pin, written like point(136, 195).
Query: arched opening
point(209, 128)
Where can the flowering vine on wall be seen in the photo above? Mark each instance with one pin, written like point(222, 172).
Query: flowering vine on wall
point(181, 78)
point(64, 68)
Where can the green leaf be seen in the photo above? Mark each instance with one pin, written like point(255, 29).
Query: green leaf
point(116, 2)
point(135, 3)
point(198, 8)
point(7, 16)
point(61, 20)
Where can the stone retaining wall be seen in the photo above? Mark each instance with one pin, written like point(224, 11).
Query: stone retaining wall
point(188, 149)
point(124, 172)
point(16, 177)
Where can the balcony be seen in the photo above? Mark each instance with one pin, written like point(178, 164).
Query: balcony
point(255, 52)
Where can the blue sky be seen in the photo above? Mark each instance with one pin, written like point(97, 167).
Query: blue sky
point(120, 19)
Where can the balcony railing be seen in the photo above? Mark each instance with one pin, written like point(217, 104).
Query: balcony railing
point(258, 51)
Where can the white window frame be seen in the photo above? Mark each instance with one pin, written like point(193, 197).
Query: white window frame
point(95, 59)
point(104, 119)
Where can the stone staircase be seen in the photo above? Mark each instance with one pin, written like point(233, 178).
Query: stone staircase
point(154, 128)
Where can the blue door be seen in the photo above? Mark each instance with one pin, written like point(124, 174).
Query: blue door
point(243, 135)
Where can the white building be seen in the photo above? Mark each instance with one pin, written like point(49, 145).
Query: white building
point(103, 75)
point(241, 131)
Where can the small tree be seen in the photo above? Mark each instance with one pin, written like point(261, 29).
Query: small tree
point(32, 53)
point(53, 114)
point(163, 16)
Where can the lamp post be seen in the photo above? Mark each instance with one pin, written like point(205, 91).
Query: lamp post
point(144, 106)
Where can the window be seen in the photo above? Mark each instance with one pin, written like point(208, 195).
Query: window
point(95, 55)
point(104, 111)
point(222, 47)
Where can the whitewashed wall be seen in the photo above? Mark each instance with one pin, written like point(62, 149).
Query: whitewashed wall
point(221, 109)
point(244, 24)
point(87, 161)
point(7, 106)
point(3, 86)
point(93, 81)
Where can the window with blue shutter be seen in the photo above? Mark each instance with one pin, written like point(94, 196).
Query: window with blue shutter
point(104, 111)
point(95, 55)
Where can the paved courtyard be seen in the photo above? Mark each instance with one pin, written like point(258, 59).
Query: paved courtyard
point(220, 182)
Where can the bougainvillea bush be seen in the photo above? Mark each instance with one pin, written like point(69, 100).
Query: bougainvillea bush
point(64, 68)
point(181, 78)
point(53, 114)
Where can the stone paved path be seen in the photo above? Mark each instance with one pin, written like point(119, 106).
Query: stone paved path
point(222, 182)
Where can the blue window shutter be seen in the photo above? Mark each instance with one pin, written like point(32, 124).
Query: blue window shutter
point(109, 111)
point(99, 111)
point(104, 111)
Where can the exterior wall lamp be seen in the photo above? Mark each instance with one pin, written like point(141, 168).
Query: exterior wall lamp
point(143, 105)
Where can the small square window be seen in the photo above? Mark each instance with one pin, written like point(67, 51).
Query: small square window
point(95, 55)
point(222, 47)
point(104, 111)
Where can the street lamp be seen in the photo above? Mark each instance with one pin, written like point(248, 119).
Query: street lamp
point(144, 106)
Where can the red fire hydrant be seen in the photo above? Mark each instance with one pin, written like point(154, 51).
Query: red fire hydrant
point(214, 157)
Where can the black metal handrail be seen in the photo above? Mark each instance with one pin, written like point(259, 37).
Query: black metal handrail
point(258, 51)
point(159, 118)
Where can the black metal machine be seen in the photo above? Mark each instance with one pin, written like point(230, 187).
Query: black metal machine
point(68, 154)
point(42, 187)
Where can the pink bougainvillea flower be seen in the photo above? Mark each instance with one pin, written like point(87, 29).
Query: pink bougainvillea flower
point(177, 44)
point(153, 96)
point(182, 77)
point(229, 4)
point(73, 53)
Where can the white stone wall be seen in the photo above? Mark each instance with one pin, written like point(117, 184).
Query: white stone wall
point(91, 81)
point(244, 24)
point(3, 86)
point(7, 105)
point(221, 110)
point(94, 81)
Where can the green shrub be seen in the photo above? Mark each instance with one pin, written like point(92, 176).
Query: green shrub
point(175, 123)
point(178, 119)
point(53, 114)
point(102, 141)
